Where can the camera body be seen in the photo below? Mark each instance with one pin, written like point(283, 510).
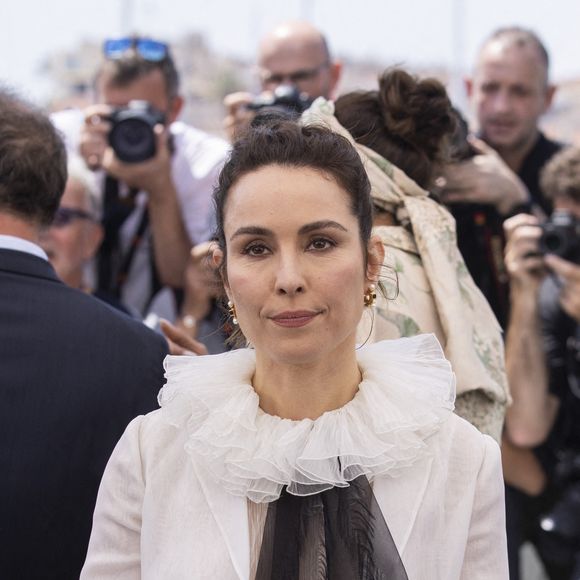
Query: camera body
point(132, 134)
point(285, 98)
point(561, 236)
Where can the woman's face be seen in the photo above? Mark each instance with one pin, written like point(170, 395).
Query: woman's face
point(295, 264)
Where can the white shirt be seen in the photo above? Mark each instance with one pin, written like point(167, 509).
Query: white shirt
point(22, 245)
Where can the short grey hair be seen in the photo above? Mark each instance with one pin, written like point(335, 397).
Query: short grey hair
point(79, 172)
point(520, 37)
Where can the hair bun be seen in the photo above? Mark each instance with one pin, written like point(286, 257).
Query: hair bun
point(416, 111)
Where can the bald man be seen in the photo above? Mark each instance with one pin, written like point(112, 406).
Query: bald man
point(509, 91)
point(293, 54)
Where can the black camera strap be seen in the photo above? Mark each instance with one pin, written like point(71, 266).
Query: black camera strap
point(573, 363)
point(481, 240)
point(113, 266)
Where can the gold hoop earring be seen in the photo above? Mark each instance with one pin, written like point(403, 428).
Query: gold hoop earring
point(232, 312)
point(370, 296)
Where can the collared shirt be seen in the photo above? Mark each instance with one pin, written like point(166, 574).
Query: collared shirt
point(22, 245)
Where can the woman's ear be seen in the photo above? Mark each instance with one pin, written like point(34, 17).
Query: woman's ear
point(375, 258)
point(217, 257)
point(217, 260)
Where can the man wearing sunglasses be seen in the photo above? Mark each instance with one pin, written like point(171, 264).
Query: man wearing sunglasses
point(72, 239)
point(294, 54)
point(75, 234)
point(154, 210)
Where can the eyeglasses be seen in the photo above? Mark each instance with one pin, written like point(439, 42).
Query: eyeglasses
point(292, 78)
point(66, 215)
point(146, 48)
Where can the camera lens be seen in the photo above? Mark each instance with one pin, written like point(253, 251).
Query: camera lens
point(133, 140)
point(554, 243)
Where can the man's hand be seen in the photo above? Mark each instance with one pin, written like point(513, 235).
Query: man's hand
point(202, 284)
point(94, 135)
point(484, 179)
point(238, 117)
point(179, 342)
point(152, 175)
point(523, 262)
point(569, 275)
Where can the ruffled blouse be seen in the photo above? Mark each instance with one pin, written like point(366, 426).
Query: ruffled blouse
point(406, 393)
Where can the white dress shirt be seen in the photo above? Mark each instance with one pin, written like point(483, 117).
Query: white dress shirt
point(22, 245)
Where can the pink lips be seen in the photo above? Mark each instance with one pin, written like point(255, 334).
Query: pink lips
point(294, 319)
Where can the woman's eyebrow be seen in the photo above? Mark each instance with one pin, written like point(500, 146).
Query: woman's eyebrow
point(320, 225)
point(251, 230)
point(305, 229)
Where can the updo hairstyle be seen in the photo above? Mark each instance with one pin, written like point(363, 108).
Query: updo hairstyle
point(407, 121)
point(288, 144)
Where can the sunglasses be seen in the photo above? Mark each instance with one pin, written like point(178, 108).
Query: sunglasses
point(66, 215)
point(146, 48)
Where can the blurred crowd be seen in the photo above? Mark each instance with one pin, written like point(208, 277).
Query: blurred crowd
point(481, 230)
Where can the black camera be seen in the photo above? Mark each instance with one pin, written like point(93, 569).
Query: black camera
point(561, 236)
point(132, 136)
point(285, 99)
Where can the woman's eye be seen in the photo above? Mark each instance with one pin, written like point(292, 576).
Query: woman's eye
point(321, 244)
point(255, 249)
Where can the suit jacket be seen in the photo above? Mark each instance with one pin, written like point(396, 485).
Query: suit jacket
point(161, 514)
point(73, 373)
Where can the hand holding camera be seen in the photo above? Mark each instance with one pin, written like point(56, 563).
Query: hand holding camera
point(533, 248)
point(130, 143)
point(523, 261)
point(243, 107)
point(94, 135)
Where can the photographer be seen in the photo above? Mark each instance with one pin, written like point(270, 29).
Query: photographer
point(294, 64)
point(498, 176)
point(543, 365)
point(156, 173)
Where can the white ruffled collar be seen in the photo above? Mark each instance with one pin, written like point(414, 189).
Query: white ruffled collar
point(407, 391)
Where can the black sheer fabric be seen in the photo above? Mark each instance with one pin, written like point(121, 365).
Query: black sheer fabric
point(338, 534)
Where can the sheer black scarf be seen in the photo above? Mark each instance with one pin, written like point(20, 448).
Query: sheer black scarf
point(338, 534)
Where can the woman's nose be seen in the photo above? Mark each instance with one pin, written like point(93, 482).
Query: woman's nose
point(289, 276)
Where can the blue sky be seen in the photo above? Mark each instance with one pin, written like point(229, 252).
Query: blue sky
point(415, 32)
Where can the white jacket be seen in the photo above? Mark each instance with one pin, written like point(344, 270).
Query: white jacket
point(163, 511)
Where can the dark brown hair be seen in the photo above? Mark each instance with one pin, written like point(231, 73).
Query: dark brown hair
point(407, 121)
point(561, 175)
point(286, 143)
point(32, 161)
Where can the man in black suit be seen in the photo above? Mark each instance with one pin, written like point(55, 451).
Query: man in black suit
point(73, 372)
